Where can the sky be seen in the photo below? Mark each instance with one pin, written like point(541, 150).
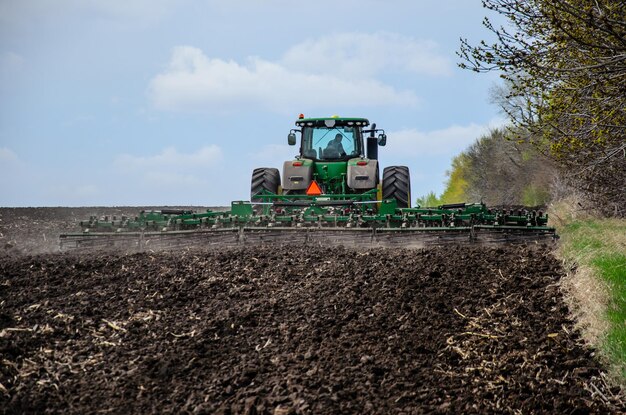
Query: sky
point(163, 102)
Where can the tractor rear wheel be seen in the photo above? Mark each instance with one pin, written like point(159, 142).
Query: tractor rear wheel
point(397, 185)
point(264, 179)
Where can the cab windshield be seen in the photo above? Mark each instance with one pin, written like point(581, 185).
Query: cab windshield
point(335, 143)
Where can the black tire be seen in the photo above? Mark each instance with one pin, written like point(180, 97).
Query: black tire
point(397, 185)
point(264, 178)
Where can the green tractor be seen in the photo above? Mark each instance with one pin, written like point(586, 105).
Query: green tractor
point(338, 157)
point(330, 194)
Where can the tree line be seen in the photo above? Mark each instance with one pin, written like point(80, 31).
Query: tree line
point(499, 171)
point(564, 67)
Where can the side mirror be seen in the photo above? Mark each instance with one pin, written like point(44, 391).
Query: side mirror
point(382, 139)
point(291, 139)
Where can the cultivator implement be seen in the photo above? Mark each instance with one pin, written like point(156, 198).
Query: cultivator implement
point(348, 220)
point(331, 194)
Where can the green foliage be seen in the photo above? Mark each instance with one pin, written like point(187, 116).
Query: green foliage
point(456, 187)
point(535, 196)
point(499, 171)
point(429, 200)
point(565, 67)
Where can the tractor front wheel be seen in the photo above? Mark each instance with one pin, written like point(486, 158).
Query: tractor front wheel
point(264, 179)
point(397, 185)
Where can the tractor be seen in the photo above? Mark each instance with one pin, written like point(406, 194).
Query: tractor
point(330, 194)
point(339, 157)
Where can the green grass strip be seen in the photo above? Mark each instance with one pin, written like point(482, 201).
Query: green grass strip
point(600, 244)
point(612, 269)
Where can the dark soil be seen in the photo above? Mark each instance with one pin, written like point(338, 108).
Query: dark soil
point(293, 330)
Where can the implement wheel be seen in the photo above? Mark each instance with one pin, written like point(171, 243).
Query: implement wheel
point(397, 185)
point(264, 179)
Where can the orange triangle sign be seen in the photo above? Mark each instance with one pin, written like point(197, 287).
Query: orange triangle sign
point(314, 189)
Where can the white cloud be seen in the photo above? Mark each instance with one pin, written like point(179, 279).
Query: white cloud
point(167, 178)
point(8, 157)
point(24, 184)
point(196, 82)
point(10, 62)
point(171, 169)
point(273, 155)
point(339, 70)
point(447, 141)
point(174, 178)
point(170, 159)
point(366, 55)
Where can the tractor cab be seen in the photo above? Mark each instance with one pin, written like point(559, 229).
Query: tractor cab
point(332, 139)
point(339, 154)
point(336, 139)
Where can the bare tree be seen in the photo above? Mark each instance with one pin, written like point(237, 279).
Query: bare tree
point(501, 171)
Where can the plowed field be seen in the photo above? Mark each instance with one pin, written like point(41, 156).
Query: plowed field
point(280, 330)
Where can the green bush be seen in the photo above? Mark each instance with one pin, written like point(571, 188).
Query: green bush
point(534, 195)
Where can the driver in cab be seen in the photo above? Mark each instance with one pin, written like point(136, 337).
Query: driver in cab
point(335, 148)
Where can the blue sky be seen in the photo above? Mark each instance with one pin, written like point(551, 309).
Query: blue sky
point(162, 102)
